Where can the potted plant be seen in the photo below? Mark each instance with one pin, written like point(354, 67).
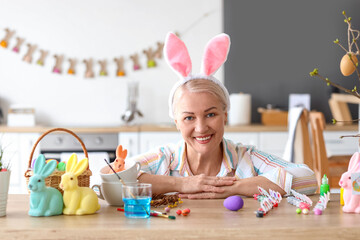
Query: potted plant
point(4, 183)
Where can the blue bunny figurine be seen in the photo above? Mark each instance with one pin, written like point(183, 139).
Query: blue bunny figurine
point(44, 201)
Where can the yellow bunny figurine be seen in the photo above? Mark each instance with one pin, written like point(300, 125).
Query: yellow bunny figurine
point(77, 200)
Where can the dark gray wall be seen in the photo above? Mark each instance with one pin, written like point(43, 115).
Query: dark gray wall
point(276, 43)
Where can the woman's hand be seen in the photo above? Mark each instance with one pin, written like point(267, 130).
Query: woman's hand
point(204, 184)
point(244, 187)
point(225, 192)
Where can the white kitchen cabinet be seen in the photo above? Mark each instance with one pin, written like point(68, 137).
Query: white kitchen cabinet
point(273, 142)
point(246, 138)
point(150, 140)
point(130, 141)
point(340, 146)
point(17, 148)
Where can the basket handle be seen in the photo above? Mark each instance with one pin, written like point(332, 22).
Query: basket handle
point(53, 130)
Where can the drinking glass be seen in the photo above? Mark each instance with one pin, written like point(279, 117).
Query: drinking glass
point(137, 198)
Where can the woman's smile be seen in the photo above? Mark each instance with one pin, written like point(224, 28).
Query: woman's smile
point(203, 139)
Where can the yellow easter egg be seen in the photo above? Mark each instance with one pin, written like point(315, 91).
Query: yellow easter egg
point(347, 66)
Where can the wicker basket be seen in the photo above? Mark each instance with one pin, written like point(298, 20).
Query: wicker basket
point(54, 179)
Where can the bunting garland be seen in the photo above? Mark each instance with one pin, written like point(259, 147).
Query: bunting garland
point(151, 56)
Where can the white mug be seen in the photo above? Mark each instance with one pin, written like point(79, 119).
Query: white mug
point(128, 175)
point(111, 192)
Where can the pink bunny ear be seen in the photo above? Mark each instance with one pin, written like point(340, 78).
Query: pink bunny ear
point(354, 164)
point(177, 55)
point(215, 55)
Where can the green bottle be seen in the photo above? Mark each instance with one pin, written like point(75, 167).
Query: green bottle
point(324, 188)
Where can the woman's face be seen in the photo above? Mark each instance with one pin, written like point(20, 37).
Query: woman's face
point(201, 119)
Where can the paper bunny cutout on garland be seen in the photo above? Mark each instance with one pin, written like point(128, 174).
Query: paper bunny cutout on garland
point(5, 41)
point(30, 52)
point(178, 58)
point(19, 42)
point(120, 71)
point(43, 55)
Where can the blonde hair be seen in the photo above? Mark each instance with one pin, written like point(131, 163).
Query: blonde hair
point(201, 85)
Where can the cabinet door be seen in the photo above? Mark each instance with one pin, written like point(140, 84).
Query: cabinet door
point(17, 148)
point(246, 138)
point(130, 141)
point(273, 142)
point(340, 146)
point(150, 140)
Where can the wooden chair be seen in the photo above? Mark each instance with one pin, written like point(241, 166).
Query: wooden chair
point(302, 146)
point(320, 163)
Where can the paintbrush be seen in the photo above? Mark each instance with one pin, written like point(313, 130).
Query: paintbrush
point(123, 183)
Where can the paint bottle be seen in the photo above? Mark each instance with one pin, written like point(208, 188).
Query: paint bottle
point(324, 188)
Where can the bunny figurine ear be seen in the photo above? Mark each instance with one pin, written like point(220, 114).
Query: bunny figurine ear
point(215, 55)
point(177, 55)
point(48, 169)
point(39, 164)
point(354, 164)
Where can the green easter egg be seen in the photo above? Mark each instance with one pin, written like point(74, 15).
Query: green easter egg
point(61, 166)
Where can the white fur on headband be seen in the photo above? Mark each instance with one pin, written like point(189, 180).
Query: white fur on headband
point(178, 58)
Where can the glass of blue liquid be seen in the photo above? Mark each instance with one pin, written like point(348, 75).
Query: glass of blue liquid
point(137, 198)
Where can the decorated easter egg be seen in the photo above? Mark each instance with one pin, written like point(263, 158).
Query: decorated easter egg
point(234, 203)
point(47, 161)
point(33, 163)
point(61, 166)
point(347, 66)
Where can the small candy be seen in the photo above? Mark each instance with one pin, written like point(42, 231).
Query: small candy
point(305, 211)
point(304, 205)
point(317, 211)
point(298, 210)
point(184, 214)
point(179, 212)
point(186, 210)
point(259, 214)
point(276, 204)
point(167, 209)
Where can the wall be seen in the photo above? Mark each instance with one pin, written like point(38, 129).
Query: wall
point(99, 30)
point(275, 44)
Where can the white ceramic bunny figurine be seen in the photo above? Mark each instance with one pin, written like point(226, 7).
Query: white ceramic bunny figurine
point(77, 200)
point(352, 202)
point(44, 201)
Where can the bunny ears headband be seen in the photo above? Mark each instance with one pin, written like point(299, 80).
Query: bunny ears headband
point(177, 56)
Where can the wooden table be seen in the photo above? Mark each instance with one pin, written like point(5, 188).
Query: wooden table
point(208, 220)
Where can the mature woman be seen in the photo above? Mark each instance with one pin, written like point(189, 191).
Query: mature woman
point(204, 164)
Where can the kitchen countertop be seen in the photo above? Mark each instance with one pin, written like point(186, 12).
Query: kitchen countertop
point(164, 128)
